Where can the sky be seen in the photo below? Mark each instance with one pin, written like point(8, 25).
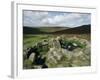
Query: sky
point(54, 18)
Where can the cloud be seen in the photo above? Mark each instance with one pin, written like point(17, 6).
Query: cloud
point(33, 18)
point(40, 18)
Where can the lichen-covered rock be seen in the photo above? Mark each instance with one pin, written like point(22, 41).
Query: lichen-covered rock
point(59, 52)
point(32, 57)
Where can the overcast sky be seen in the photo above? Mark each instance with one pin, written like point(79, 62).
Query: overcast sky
point(51, 18)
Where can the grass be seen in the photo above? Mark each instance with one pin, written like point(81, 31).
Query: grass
point(30, 39)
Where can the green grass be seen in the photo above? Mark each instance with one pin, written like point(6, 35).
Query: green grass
point(30, 39)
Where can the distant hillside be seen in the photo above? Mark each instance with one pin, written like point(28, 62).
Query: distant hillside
point(42, 30)
point(57, 30)
point(52, 29)
point(84, 29)
point(30, 30)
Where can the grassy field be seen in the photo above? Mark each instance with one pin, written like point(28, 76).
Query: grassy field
point(30, 39)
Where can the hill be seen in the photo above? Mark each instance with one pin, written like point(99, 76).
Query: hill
point(84, 29)
point(30, 30)
point(52, 29)
point(42, 30)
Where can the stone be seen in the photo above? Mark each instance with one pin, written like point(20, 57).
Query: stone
point(59, 52)
point(31, 57)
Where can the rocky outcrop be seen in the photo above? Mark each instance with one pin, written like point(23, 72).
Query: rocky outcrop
point(59, 52)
